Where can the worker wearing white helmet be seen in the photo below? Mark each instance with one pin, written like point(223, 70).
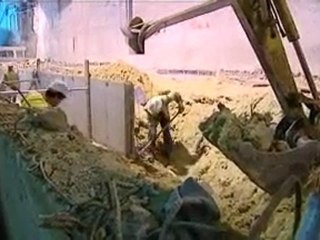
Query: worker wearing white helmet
point(158, 112)
point(55, 93)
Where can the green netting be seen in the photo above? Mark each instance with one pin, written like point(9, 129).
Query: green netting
point(24, 198)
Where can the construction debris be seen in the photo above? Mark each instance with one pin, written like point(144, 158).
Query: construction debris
point(225, 129)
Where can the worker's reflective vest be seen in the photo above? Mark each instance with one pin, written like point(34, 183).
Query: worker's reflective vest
point(35, 99)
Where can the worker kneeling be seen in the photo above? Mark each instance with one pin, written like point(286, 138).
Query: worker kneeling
point(157, 109)
point(51, 116)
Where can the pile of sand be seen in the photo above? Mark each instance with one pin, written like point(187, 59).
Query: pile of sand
point(123, 72)
point(113, 72)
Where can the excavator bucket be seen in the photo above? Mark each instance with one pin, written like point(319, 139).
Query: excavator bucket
point(268, 170)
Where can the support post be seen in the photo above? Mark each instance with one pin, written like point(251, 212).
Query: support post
point(129, 119)
point(87, 76)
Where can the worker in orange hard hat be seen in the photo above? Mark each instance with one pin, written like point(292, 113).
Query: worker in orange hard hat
point(158, 112)
point(11, 82)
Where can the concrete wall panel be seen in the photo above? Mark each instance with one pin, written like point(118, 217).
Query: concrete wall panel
point(108, 114)
point(211, 42)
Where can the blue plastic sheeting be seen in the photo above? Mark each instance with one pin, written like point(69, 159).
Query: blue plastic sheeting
point(8, 22)
point(4, 36)
point(310, 226)
point(24, 197)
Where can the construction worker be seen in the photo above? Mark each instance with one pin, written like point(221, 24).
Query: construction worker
point(11, 82)
point(157, 109)
point(35, 82)
point(55, 93)
point(45, 108)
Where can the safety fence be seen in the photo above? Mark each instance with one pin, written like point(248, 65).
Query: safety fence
point(102, 111)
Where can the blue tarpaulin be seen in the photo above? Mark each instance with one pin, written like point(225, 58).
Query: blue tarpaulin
point(310, 225)
point(4, 36)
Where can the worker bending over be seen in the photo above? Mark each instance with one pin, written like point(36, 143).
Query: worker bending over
point(157, 109)
point(55, 93)
point(45, 108)
point(11, 82)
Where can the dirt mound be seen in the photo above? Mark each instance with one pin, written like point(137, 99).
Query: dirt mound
point(123, 72)
point(113, 72)
point(239, 199)
point(94, 182)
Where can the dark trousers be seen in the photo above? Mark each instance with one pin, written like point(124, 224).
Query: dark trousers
point(167, 139)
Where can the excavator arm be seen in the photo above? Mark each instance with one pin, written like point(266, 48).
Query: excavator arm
point(265, 23)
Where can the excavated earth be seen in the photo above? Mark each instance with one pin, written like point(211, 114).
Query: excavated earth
point(74, 165)
point(103, 194)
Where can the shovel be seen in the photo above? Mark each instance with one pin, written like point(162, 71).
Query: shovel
point(23, 97)
point(158, 134)
point(21, 94)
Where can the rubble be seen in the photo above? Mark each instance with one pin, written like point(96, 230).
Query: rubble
point(227, 129)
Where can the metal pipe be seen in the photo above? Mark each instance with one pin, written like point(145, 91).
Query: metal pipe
point(129, 8)
point(306, 69)
point(41, 90)
point(21, 81)
point(187, 14)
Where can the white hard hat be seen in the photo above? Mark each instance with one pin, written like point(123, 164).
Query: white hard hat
point(59, 86)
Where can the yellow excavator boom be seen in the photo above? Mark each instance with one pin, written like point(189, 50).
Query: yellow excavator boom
point(265, 23)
